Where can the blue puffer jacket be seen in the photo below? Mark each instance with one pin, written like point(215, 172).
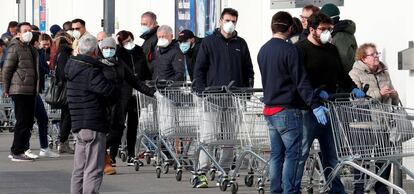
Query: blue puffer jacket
point(87, 89)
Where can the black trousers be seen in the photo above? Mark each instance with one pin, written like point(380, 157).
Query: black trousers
point(126, 107)
point(65, 124)
point(24, 108)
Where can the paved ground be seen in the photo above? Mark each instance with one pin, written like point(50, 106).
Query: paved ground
point(47, 176)
point(52, 176)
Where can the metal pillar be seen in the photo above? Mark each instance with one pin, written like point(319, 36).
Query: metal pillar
point(109, 17)
point(21, 10)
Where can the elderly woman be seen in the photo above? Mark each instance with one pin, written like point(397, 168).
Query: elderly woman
point(368, 69)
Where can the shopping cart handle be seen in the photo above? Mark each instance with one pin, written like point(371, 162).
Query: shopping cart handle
point(340, 96)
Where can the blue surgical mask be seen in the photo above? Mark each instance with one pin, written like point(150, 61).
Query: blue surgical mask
point(144, 29)
point(185, 46)
point(108, 52)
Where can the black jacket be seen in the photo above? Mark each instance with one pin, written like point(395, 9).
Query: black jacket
point(136, 61)
point(119, 73)
point(61, 58)
point(220, 61)
point(87, 89)
point(149, 46)
point(191, 56)
point(169, 63)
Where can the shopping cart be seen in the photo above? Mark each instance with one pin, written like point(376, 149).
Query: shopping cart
point(147, 128)
point(368, 130)
point(254, 138)
point(177, 122)
point(7, 119)
point(219, 130)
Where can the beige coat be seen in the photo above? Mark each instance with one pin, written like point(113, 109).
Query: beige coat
point(362, 75)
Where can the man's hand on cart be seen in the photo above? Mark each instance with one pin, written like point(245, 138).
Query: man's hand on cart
point(320, 114)
point(157, 95)
point(358, 93)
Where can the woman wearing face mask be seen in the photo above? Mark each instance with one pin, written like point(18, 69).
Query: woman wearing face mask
point(134, 57)
point(125, 80)
point(368, 69)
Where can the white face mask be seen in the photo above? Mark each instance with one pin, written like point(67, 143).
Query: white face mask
point(27, 36)
point(229, 27)
point(129, 45)
point(76, 34)
point(325, 36)
point(163, 42)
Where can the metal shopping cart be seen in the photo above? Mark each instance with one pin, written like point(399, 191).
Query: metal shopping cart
point(368, 130)
point(7, 119)
point(219, 130)
point(254, 139)
point(178, 125)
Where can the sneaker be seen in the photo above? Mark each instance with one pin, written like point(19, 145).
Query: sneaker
point(10, 156)
point(130, 161)
point(48, 153)
point(21, 158)
point(30, 154)
point(201, 182)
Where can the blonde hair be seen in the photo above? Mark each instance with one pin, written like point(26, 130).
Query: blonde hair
point(360, 52)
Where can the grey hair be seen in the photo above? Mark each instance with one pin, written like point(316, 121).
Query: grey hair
point(151, 15)
point(87, 44)
point(165, 28)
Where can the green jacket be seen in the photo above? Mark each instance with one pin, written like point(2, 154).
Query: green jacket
point(344, 40)
point(21, 69)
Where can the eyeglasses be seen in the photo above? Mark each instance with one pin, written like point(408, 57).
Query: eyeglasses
point(323, 29)
point(376, 54)
point(303, 17)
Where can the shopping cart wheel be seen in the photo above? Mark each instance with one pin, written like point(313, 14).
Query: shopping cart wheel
point(123, 157)
point(261, 191)
point(158, 171)
point(223, 184)
point(136, 165)
point(166, 168)
point(179, 175)
point(148, 159)
point(234, 187)
point(194, 180)
point(212, 175)
point(249, 180)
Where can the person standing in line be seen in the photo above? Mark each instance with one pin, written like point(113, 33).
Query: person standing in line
point(287, 91)
point(307, 11)
point(149, 28)
point(223, 57)
point(87, 93)
point(326, 73)
point(21, 82)
point(189, 45)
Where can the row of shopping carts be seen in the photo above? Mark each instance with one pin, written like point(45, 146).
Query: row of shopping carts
point(182, 126)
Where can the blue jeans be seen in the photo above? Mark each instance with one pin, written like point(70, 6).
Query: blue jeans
point(311, 130)
point(285, 133)
point(42, 122)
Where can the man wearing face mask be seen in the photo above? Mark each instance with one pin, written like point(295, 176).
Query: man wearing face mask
point(124, 81)
point(324, 67)
point(21, 82)
point(223, 57)
point(342, 36)
point(189, 45)
point(149, 27)
point(79, 30)
point(169, 60)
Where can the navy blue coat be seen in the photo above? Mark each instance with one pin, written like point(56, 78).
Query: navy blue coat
point(221, 60)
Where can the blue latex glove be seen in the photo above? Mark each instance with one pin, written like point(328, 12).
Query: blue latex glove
point(323, 94)
point(320, 114)
point(358, 93)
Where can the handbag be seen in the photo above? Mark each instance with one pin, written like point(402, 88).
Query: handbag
point(56, 94)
